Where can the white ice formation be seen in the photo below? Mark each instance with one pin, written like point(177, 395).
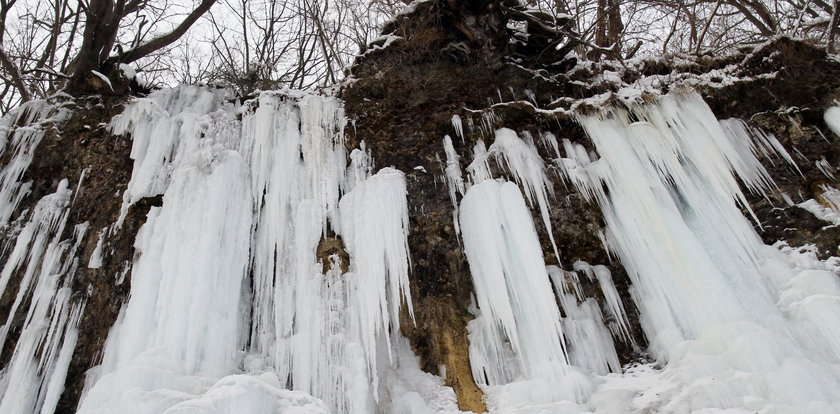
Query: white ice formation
point(275, 275)
point(739, 325)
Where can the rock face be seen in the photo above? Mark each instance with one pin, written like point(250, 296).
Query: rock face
point(790, 104)
point(451, 58)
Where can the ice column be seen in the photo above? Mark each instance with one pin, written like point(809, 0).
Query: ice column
point(183, 327)
point(513, 293)
point(454, 179)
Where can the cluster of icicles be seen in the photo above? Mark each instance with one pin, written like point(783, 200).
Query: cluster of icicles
point(231, 311)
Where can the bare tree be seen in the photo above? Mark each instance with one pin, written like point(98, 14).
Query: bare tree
point(45, 43)
point(294, 43)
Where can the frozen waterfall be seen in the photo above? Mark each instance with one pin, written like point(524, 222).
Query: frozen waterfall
point(276, 274)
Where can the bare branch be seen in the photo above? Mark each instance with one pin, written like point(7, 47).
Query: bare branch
point(167, 39)
point(11, 69)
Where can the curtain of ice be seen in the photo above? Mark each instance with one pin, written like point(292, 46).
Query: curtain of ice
point(517, 340)
point(713, 298)
point(252, 190)
point(182, 328)
point(38, 271)
point(518, 334)
point(33, 379)
point(21, 130)
point(323, 331)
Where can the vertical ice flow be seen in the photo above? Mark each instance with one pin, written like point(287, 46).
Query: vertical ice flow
point(714, 300)
point(254, 189)
point(513, 292)
point(182, 327)
point(279, 262)
point(21, 130)
point(521, 158)
point(454, 179)
point(33, 378)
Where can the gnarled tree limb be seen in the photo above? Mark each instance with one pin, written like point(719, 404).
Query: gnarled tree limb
point(160, 42)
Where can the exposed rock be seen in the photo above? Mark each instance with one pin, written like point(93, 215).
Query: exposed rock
point(329, 247)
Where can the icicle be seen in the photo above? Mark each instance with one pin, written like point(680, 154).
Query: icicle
point(454, 180)
point(590, 344)
point(523, 161)
point(514, 295)
point(613, 302)
point(360, 168)
point(756, 141)
point(479, 168)
point(715, 302)
point(95, 261)
point(561, 280)
point(825, 167)
point(37, 237)
point(33, 379)
point(322, 146)
point(458, 126)
point(272, 134)
point(550, 141)
point(21, 130)
point(183, 321)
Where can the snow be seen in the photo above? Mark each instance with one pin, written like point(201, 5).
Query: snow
point(380, 43)
point(832, 119)
point(828, 208)
point(104, 78)
point(607, 76)
point(128, 71)
point(250, 394)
